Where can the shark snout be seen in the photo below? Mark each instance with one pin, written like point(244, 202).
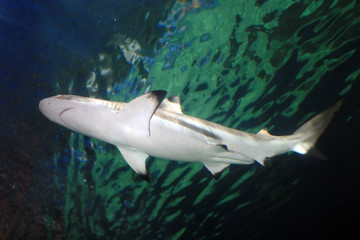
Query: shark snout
point(43, 106)
point(43, 102)
point(52, 108)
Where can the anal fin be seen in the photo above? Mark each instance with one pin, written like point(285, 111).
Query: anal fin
point(136, 160)
point(216, 168)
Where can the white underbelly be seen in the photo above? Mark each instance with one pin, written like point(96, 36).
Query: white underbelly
point(173, 142)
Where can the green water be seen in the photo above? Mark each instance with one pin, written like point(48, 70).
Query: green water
point(244, 64)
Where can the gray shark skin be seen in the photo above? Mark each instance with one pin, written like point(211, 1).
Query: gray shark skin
point(152, 125)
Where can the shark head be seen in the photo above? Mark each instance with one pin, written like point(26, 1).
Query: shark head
point(54, 107)
point(74, 112)
point(102, 119)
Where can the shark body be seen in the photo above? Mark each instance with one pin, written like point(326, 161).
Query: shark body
point(152, 125)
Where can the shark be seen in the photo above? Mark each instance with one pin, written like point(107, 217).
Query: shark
point(153, 125)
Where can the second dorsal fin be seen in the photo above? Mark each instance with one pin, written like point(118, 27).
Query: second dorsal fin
point(264, 131)
point(171, 104)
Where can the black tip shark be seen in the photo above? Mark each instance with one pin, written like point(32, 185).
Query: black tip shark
point(155, 126)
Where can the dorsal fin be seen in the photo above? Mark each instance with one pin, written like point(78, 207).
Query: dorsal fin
point(171, 104)
point(137, 113)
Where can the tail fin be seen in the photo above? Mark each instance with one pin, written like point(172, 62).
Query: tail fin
point(310, 132)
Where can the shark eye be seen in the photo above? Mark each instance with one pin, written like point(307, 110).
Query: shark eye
point(127, 41)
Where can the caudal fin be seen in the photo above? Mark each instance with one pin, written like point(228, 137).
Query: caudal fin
point(310, 132)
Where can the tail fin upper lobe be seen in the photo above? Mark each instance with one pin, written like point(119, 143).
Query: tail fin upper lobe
point(310, 132)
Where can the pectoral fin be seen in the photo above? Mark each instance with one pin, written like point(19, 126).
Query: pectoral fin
point(136, 160)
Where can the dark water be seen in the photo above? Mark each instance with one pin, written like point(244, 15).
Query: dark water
point(244, 64)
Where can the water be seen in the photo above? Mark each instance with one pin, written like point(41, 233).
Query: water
point(243, 64)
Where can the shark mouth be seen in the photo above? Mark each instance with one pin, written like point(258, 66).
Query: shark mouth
point(60, 116)
point(64, 111)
